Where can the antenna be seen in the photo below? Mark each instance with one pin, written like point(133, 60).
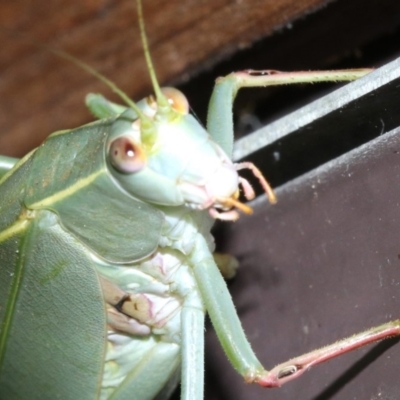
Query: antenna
point(99, 76)
point(81, 64)
point(161, 99)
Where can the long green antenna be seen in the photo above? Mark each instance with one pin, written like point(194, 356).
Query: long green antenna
point(162, 101)
point(85, 67)
point(149, 134)
point(99, 76)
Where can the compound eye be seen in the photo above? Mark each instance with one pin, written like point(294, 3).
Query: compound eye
point(177, 99)
point(126, 156)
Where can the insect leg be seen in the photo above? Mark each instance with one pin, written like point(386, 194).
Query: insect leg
point(222, 312)
point(295, 367)
point(220, 118)
point(233, 340)
point(192, 381)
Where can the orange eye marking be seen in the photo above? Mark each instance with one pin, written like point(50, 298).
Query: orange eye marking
point(177, 99)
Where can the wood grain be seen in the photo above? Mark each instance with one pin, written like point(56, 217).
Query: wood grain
point(40, 93)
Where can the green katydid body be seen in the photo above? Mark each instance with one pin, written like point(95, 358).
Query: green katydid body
point(33, 204)
point(130, 200)
point(140, 249)
point(106, 256)
point(6, 163)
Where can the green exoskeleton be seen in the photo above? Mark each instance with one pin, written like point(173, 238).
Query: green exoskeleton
point(107, 265)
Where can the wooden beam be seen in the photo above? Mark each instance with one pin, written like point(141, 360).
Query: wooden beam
point(40, 93)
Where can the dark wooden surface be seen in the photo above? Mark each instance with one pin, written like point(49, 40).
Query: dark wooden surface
point(40, 93)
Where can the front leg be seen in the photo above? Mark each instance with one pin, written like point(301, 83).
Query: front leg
point(220, 117)
point(192, 328)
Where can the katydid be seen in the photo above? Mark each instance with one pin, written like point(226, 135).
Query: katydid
point(107, 265)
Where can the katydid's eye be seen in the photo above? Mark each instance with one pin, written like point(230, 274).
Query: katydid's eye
point(177, 99)
point(126, 155)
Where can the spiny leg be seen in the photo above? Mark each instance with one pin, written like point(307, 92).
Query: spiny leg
point(295, 367)
point(220, 117)
point(192, 328)
point(221, 310)
point(233, 340)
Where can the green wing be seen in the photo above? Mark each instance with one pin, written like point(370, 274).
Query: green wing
point(90, 203)
point(52, 339)
point(58, 206)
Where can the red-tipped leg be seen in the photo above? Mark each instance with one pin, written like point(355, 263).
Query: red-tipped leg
point(292, 369)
